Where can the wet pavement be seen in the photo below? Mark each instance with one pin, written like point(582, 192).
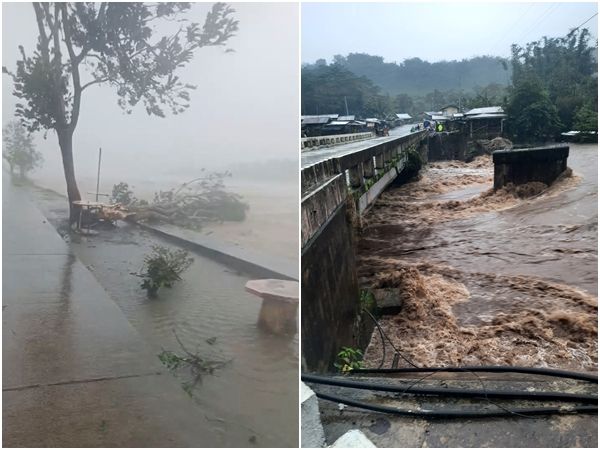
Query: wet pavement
point(248, 402)
point(390, 431)
point(76, 373)
point(311, 157)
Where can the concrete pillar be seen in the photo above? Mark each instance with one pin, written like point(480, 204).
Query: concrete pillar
point(379, 163)
point(356, 176)
point(387, 156)
point(368, 168)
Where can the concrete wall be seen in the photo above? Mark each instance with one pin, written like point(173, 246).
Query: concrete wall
point(330, 293)
point(447, 146)
point(519, 166)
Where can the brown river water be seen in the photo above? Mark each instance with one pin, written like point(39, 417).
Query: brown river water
point(504, 278)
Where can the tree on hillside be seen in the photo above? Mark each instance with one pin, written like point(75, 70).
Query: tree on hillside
point(531, 115)
point(326, 89)
point(416, 77)
point(19, 151)
point(403, 103)
point(85, 44)
point(586, 118)
point(565, 66)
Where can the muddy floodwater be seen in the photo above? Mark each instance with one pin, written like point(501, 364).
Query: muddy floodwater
point(502, 278)
point(252, 400)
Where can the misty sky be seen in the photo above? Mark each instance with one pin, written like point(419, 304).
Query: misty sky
point(434, 31)
point(244, 109)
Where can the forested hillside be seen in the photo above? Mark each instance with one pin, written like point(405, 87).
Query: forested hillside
point(547, 86)
point(416, 77)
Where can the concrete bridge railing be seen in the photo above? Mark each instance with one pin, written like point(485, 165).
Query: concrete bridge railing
point(311, 143)
point(364, 169)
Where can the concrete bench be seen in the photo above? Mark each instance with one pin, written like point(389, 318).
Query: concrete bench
point(279, 306)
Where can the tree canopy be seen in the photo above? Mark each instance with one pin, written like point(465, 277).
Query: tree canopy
point(532, 117)
point(117, 44)
point(328, 88)
point(114, 44)
point(566, 67)
point(18, 149)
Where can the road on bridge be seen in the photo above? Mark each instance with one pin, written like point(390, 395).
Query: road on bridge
point(315, 156)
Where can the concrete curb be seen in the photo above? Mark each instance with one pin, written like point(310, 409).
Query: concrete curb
point(312, 433)
point(244, 260)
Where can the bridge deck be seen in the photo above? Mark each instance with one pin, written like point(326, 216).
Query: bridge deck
point(315, 156)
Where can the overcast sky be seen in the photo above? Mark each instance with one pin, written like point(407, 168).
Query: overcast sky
point(434, 31)
point(244, 109)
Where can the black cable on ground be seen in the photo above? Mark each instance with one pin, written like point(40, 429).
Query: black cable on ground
point(447, 392)
point(529, 370)
point(456, 414)
point(383, 333)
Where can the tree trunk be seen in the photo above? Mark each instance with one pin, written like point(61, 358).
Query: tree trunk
point(65, 140)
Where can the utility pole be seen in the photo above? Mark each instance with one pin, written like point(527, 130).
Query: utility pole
point(346, 103)
point(98, 178)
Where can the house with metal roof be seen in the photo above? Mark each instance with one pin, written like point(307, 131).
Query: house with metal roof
point(450, 110)
point(312, 125)
point(485, 110)
point(486, 122)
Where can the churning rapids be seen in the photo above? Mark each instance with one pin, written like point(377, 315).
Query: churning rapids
point(504, 278)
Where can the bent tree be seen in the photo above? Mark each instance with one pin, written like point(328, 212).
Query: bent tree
point(117, 44)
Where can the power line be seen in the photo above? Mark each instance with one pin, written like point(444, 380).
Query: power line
point(502, 38)
point(541, 19)
point(575, 29)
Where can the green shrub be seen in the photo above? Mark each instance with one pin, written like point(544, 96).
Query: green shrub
point(367, 300)
point(349, 359)
point(163, 268)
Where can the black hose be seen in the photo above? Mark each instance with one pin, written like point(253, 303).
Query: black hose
point(530, 370)
point(447, 392)
point(454, 414)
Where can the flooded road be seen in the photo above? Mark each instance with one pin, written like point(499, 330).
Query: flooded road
point(504, 278)
point(250, 400)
